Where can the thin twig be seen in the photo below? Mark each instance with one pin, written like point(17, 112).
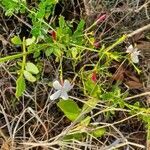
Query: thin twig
point(21, 20)
point(139, 95)
point(146, 27)
point(87, 7)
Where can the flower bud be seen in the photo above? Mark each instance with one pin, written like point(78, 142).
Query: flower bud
point(94, 76)
point(101, 18)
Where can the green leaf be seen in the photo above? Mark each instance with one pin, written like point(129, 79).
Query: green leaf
point(77, 136)
point(90, 105)
point(49, 51)
point(16, 40)
point(29, 76)
point(74, 52)
point(77, 37)
point(13, 6)
point(80, 28)
point(86, 121)
point(99, 132)
point(62, 22)
point(70, 109)
point(30, 41)
point(30, 67)
point(64, 32)
point(20, 86)
point(57, 52)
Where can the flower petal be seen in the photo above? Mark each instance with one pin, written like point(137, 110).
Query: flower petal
point(64, 95)
point(130, 49)
point(55, 95)
point(137, 52)
point(134, 58)
point(67, 86)
point(57, 85)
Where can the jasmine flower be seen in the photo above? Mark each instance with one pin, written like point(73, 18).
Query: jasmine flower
point(134, 53)
point(62, 90)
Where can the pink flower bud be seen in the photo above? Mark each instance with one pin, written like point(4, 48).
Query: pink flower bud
point(94, 77)
point(101, 18)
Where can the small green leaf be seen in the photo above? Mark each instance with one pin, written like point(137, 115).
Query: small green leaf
point(30, 67)
point(74, 52)
point(30, 41)
point(20, 86)
point(77, 136)
point(16, 40)
point(89, 105)
point(57, 52)
point(70, 109)
point(29, 76)
point(86, 121)
point(99, 132)
point(80, 28)
point(62, 22)
point(48, 52)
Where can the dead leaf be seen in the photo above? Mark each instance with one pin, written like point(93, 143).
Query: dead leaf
point(134, 84)
point(131, 76)
point(137, 37)
point(119, 74)
point(126, 76)
point(143, 45)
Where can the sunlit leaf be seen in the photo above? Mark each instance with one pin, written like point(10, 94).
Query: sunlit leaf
point(74, 52)
point(99, 132)
point(30, 41)
point(48, 52)
point(30, 67)
point(20, 86)
point(76, 136)
point(16, 40)
point(86, 121)
point(89, 105)
point(70, 109)
point(28, 76)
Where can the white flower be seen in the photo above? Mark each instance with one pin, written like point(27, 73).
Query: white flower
point(62, 90)
point(134, 53)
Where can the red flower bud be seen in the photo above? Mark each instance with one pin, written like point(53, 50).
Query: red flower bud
point(94, 77)
point(53, 34)
point(101, 18)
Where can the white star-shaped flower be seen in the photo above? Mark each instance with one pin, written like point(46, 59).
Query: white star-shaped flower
point(134, 53)
point(62, 90)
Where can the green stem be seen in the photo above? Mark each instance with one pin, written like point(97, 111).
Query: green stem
point(24, 56)
point(12, 57)
point(83, 47)
point(120, 40)
point(61, 70)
